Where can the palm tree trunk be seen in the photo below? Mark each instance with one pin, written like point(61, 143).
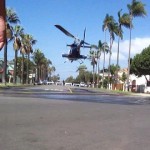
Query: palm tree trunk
point(28, 69)
point(15, 67)
point(104, 62)
point(97, 72)
point(93, 76)
point(38, 72)
point(22, 69)
point(118, 59)
point(109, 64)
point(128, 75)
point(109, 74)
point(103, 70)
point(5, 63)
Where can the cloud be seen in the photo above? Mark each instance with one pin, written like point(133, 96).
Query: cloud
point(137, 45)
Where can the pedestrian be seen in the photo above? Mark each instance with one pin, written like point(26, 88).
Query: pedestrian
point(63, 82)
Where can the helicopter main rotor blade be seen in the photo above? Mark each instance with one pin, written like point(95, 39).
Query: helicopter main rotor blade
point(86, 46)
point(64, 31)
point(87, 43)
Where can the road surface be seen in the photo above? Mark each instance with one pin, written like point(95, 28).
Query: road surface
point(61, 118)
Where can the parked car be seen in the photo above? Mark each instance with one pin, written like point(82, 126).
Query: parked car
point(82, 84)
point(59, 83)
point(46, 82)
point(50, 82)
point(76, 84)
point(40, 82)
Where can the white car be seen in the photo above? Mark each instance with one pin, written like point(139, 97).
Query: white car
point(59, 83)
point(45, 82)
point(147, 89)
point(82, 84)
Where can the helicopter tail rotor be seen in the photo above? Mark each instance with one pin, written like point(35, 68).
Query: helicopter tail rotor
point(84, 38)
point(84, 34)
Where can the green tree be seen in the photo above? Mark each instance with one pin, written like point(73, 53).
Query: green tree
point(136, 9)
point(113, 70)
point(51, 69)
point(140, 64)
point(55, 78)
point(81, 69)
point(70, 79)
point(124, 77)
point(88, 77)
point(19, 67)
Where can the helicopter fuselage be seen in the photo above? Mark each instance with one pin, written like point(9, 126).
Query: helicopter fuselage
point(74, 52)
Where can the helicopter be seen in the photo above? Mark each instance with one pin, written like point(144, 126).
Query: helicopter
point(74, 52)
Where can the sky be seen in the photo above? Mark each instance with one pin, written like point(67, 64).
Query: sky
point(38, 18)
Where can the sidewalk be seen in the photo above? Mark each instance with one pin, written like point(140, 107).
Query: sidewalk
point(141, 94)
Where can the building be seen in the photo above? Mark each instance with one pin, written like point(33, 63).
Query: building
point(10, 70)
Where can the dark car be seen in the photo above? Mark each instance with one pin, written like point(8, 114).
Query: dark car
point(40, 82)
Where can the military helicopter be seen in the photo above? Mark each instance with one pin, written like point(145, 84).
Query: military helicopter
point(74, 52)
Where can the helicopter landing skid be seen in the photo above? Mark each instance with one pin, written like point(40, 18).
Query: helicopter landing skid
point(81, 62)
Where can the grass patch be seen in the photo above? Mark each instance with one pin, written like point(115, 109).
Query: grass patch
point(112, 91)
point(2, 85)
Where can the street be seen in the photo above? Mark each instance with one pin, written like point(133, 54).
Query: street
point(62, 118)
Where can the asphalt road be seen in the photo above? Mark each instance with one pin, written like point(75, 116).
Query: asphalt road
point(60, 118)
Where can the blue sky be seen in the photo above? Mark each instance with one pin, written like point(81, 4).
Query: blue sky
point(39, 17)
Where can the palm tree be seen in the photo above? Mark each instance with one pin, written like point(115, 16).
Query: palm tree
point(29, 42)
point(93, 54)
point(99, 50)
point(47, 64)
point(123, 20)
point(101, 47)
point(105, 50)
point(23, 50)
point(38, 58)
point(113, 29)
point(136, 9)
point(44, 68)
point(18, 31)
point(109, 24)
point(113, 70)
point(11, 18)
point(81, 76)
point(81, 68)
point(50, 71)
